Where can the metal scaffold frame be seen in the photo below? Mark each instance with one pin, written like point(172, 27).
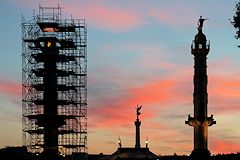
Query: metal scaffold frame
point(54, 83)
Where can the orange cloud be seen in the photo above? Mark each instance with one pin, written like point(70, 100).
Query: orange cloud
point(153, 92)
point(119, 110)
point(223, 146)
point(224, 92)
point(225, 86)
point(162, 95)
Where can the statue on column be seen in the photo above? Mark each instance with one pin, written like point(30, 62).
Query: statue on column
point(137, 124)
point(200, 23)
point(138, 108)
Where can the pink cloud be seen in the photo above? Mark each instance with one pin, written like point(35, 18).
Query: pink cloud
point(10, 88)
point(106, 17)
point(97, 13)
point(164, 16)
point(175, 16)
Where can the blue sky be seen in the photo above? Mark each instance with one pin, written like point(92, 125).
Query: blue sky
point(138, 53)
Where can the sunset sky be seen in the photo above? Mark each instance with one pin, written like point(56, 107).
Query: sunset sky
point(138, 53)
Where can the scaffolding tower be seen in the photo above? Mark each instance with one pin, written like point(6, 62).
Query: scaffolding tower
point(54, 83)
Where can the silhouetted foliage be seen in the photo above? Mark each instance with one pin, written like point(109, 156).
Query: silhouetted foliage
point(236, 20)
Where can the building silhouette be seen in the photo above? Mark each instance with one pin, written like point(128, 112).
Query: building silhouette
point(136, 152)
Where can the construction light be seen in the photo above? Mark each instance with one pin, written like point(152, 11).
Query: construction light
point(49, 44)
point(50, 29)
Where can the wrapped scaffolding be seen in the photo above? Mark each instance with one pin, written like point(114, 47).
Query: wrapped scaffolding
point(54, 83)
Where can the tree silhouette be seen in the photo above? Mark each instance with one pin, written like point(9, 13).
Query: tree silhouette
point(236, 20)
